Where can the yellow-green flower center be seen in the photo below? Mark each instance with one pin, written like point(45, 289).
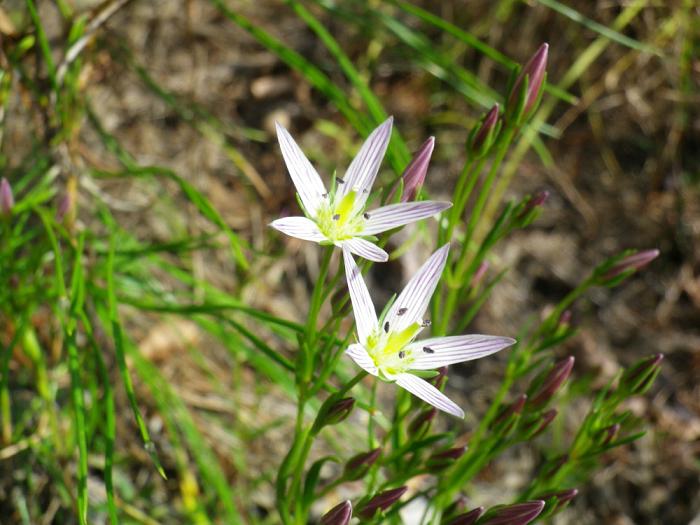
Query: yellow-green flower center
point(341, 220)
point(387, 348)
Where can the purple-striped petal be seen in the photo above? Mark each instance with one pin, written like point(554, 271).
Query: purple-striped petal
point(428, 393)
point(411, 304)
point(365, 249)
point(364, 167)
point(305, 178)
point(362, 307)
point(358, 354)
point(395, 215)
point(442, 351)
point(299, 227)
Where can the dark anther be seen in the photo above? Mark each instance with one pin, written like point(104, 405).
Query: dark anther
point(428, 350)
point(402, 354)
point(402, 311)
point(325, 195)
point(365, 215)
point(340, 181)
point(386, 327)
point(426, 323)
point(336, 216)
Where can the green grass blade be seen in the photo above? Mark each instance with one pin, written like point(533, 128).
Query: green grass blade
point(43, 43)
point(118, 336)
point(601, 29)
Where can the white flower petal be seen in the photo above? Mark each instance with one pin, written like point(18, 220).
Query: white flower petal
point(306, 180)
point(362, 307)
point(299, 227)
point(364, 167)
point(362, 358)
point(428, 393)
point(443, 351)
point(365, 249)
point(411, 304)
point(394, 215)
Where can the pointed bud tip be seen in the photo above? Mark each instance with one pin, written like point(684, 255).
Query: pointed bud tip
point(338, 515)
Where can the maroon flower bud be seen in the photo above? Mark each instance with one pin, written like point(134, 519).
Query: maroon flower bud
point(509, 414)
point(468, 518)
point(479, 273)
point(65, 206)
point(630, 264)
point(414, 174)
point(422, 422)
point(537, 426)
point(565, 318)
point(516, 514)
point(338, 515)
point(441, 460)
point(457, 507)
point(553, 466)
point(7, 199)
point(439, 380)
point(610, 433)
point(638, 378)
point(560, 499)
point(535, 71)
point(381, 502)
point(357, 466)
point(552, 382)
point(483, 134)
point(333, 411)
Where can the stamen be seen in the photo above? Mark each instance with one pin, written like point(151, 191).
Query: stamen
point(402, 311)
point(340, 181)
point(386, 327)
point(336, 217)
point(325, 195)
point(402, 354)
point(428, 350)
point(365, 215)
point(426, 323)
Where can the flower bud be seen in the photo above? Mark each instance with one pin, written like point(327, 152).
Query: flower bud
point(484, 133)
point(538, 425)
point(333, 411)
point(638, 378)
point(479, 274)
point(542, 392)
point(627, 266)
point(505, 421)
point(414, 174)
point(441, 460)
point(421, 423)
point(457, 507)
point(338, 515)
point(553, 466)
point(608, 434)
point(531, 208)
point(439, 380)
point(7, 199)
point(558, 499)
point(357, 466)
point(516, 514)
point(468, 518)
point(527, 90)
point(381, 502)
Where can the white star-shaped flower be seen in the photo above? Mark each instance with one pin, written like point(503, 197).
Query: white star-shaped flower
point(386, 347)
point(338, 216)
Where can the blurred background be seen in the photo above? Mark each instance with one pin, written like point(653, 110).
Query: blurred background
point(192, 89)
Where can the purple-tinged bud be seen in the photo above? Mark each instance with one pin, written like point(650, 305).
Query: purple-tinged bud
point(610, 433)
point(630, 264)
point(381, 502)
point(484, 133)
point(638, 378)
point(457, 507)
point(537, 426)
point(509, 415)
point(65, 206)
point(516, 514)
point(7, 199)
point(421, 423)
point(468, 518)
point(439, 380)
point(333, 411)
point(441, 460)
point(565, 318)
point(338, 515)
point(555, 465)
point(357, 466)
point(552, 382)
point(414, 174)
point(532, 207)
point(559, 499)
point(535, 71)
point(479, 274)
